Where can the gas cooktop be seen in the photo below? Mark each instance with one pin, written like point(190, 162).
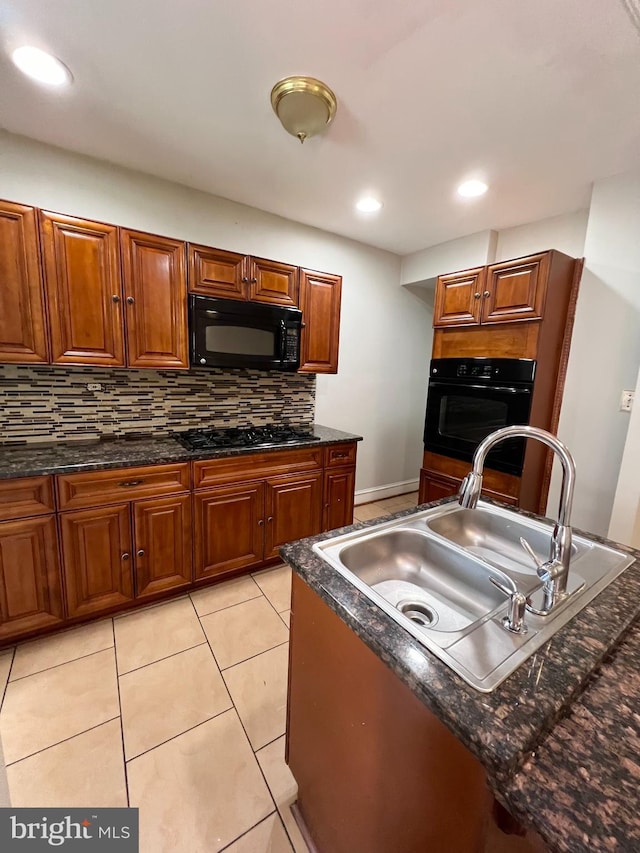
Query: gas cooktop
point(252, 436)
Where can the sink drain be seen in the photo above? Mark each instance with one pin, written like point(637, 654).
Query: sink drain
point(418, 613)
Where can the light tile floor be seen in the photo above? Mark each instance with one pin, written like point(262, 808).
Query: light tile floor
point(178, 709)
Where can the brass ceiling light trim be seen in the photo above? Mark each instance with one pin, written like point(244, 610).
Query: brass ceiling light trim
point(304, 105)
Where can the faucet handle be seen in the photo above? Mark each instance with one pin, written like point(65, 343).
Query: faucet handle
point(542, 568)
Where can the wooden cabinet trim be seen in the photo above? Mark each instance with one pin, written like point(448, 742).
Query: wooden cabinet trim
point(23, 325)
point(26, 496)
point(98, 488)
point(255, 466)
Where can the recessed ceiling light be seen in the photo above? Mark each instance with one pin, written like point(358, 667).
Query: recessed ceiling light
point(41, 66)
point(470, 189)
point(368, 204)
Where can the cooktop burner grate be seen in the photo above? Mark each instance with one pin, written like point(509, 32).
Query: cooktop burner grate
point(252, 436)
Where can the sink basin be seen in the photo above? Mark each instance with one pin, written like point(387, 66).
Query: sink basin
point(431, 571)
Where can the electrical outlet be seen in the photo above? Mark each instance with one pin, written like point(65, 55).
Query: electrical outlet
point(626, 401)
point(94, 386)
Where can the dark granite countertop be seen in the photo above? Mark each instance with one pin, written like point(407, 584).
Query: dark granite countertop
point(72, 457)
point(525, 713)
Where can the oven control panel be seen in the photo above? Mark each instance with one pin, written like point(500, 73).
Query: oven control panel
point(488, 370)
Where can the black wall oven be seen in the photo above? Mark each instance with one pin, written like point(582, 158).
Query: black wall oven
point(469, 398)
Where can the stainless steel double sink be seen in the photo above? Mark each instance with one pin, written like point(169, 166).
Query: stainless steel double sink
point(432, 572)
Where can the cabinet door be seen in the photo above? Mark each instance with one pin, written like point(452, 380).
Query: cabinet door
point(271, 281)
point(459, 298)
point(30, 591)
point(339, 487)
point(293, 506)
point(155, 286)
point(84, 290)
point(320, 296)
point(162, 544)
point(214, 272)
point(516, 291)
point(96, 553)
point(433, 487)
point(23, 336)
point(228, 528)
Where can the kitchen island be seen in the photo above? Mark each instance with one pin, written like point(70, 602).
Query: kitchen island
point(556, 742)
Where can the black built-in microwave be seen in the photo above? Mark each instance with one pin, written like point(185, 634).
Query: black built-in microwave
point(231, 333)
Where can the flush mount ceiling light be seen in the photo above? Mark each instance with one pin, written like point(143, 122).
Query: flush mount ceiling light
point(368, 204)
point(41, 66)
point(471, 189)
point(304, 105)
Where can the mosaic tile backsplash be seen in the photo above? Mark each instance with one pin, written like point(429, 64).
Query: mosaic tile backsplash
point(40, 404)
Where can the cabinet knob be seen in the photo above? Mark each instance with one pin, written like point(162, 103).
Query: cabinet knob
point(476, 296)
point(253, 280)
point(130, 300)
point(486, 293)
point(270, 518)
point(261, 521)
point(244, 279)
point(125, 556)
point(140, 553)
point(326, 506)
point(115, 297)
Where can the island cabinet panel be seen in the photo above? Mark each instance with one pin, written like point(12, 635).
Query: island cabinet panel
point(98, 564)
point(293, 510)
point(376, 770)
point(84, 290)
point(30, 584)
point(215, 272)
point(459, 298)
point(228, 529)
point(273, 282)
point(23, 331)
point(516, 290)
point(338, 498)
point(320, 296)
point(155, 284)
point(162, 544)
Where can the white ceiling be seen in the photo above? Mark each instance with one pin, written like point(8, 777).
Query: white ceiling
point(539, 98)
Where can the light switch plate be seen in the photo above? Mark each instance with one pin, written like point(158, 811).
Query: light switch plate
point(94, 386)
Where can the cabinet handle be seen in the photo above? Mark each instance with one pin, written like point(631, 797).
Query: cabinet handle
point(128, 483)
point(140, 553)
point(260, 521)
point(115, 297)
point(476, 296)
point(244, 279)
point(125, 556)
point(340, 455)
point(303, 325)
point(130, 300)
point(253, 280)
point(326, 506)
point(270, 518)
point(486, 293)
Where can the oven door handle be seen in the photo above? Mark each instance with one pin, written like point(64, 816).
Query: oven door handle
point(462, 385)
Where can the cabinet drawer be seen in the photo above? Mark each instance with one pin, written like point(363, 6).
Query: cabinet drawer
point(340, 454)
point(98, 488)
point(25, 496)
point(255, 466)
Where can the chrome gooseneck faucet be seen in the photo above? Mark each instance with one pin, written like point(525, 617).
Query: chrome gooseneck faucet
point(554, 573)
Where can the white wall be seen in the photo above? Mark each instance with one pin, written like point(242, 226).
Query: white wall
point(380, 389)
point(605, 349)
point(566, 233)
point(625, 518)
point(474, 250)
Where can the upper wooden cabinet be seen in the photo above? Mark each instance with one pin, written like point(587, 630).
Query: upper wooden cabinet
point(155, 286)
point(84, 290)
point(23, 333)
point(320, 297)
point(216, 272)
point(508, 292)
point(459, 298)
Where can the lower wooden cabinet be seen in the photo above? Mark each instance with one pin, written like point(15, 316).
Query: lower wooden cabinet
point(98, 565)
point(30, 590)
point(293, 510)
point(434, 486)
point(339, 487)
point(228, 528)
point(103, 548)
point(162, 544)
